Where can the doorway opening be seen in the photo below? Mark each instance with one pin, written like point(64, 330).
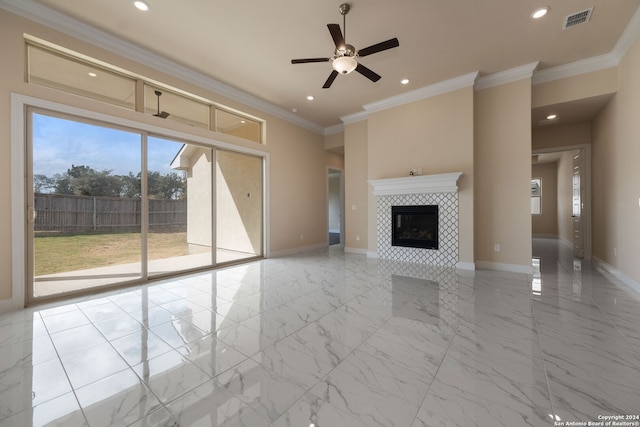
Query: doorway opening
point(335, 206)
point(561, 203)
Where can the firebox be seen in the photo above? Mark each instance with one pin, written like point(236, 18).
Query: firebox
point(415, 226)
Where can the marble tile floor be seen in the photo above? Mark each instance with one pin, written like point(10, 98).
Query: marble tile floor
point(327, 339)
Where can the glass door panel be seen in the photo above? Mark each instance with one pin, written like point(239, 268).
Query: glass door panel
point(179, 190)
point(239, 206)
point(86, 229)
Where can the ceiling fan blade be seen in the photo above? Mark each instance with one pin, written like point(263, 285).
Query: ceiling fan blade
point(330, 80)
point(306, 60)
point(379, 47)
point(336, 34)
point(368, 73)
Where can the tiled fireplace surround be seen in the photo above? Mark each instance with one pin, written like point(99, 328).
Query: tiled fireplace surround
point(441, 190)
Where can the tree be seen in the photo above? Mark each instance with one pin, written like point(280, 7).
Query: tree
point(131, 186)
point(168, 186)
point(85, 181)
point(42, 183)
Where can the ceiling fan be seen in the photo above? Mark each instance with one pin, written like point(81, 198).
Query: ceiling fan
point(345, 57)
point(162, 114)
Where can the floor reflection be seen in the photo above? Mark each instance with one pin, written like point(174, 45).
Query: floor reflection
point(328, 338)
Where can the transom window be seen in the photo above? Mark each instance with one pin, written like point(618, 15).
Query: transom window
point(59, 68)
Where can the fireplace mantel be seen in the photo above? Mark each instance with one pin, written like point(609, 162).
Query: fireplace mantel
point(420, 184)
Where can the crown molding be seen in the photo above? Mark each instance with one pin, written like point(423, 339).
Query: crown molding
point(507, 76)
point(355, 117)
point(423, 93)
point(628, 37)
point(330, 130)
point(46, 16)
point(584, 66)
point(596, 63)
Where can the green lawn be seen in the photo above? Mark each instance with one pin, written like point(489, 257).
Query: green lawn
point(57, 253)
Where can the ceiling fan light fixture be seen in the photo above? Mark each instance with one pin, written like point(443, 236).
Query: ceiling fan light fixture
point(344, 64)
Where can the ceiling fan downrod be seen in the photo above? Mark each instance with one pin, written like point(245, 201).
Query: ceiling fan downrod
point(344, 9)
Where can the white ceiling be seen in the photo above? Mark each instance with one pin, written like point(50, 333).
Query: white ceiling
point(249, 44)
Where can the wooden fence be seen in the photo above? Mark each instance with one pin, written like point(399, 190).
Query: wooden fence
point(86, 213)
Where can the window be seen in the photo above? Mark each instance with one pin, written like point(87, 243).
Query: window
point(176, 107)
point(536, 196)
point(238, 125)
point(59, 68)
point(58, 71)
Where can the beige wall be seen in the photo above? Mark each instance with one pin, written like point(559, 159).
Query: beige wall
point(582, 86)
point(546, 224)
point(565, 196)
point(503, 174)
point(298, 159)
point(561, 136)
point(356, 189)
point(615, 172)
point(238, 202)
point(435, 134)
point(199, 225)
point(250, 131)
point(334, 142)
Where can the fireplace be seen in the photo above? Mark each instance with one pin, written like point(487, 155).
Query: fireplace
point(415, 226)
point(440, 191)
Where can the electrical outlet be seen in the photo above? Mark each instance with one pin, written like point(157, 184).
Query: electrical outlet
point(496, 247)
point(615, 252)
point(302, 237)
point(357, 237)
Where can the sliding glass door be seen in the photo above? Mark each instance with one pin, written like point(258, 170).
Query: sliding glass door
point(110, 205)
point(85, 228)
point(239, 203)
point(179, 196)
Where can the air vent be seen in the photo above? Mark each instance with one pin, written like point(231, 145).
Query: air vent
point(577, 18)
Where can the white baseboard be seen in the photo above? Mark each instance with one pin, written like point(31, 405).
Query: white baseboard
point(359, 251)
point(9, 305)
point(566, 242)
point(511, 268)
point(298, 250)
point(634, 285)
point(470, 266)
point(545, 236)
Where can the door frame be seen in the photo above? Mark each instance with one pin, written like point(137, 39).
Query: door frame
point(585, 150)
point(19, 106)
point(331, 170)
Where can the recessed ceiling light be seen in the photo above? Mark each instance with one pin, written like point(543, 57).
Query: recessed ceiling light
point(310, 97)
point(552, 116)
point(294, 110)
point(92, 74)
point(141, 4)
point(404, 81)
point(539, 13)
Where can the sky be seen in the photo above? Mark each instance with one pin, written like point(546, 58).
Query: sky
point(60, 143)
